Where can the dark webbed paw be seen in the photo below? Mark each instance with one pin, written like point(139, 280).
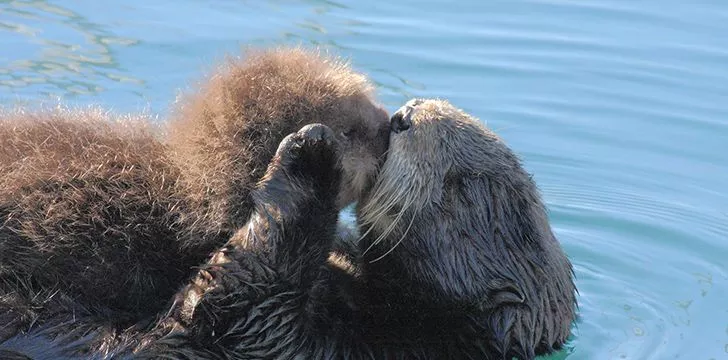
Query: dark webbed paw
point(311, 154)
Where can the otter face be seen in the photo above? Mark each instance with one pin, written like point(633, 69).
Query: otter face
point(224, 134)
point(432, 145)
point(362, 132)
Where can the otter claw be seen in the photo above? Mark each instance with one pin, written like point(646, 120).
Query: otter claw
point(311, 154)
point(316, 133)
point(312, 143)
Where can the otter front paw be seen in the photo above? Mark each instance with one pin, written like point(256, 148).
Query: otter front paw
point(310, 154)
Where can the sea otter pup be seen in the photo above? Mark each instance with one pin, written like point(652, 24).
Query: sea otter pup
point(268, 292)
point(225, 133)
point(459, 261)
point(457, 242)
point(89, 217)
point(100, 224)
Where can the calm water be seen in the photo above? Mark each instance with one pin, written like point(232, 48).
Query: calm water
point(619, 108)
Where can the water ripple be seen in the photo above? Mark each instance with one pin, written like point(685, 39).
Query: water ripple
point(75, 55)
point(619, 109)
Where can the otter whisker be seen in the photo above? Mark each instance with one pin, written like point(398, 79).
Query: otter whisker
point(398, 242)
point(372, 213)
point(384, 155)
point(385, 233)
point(376, 201)
point(373, 218)
point(394, 223)
point(383, 200)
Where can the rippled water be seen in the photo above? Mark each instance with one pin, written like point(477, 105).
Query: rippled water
point(619, 108)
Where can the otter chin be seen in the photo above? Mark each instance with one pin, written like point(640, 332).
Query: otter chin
point(456, 238)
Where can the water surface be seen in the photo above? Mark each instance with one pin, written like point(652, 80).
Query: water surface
point(618, 108)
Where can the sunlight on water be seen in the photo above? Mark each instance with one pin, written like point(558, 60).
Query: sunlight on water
point(619, 109)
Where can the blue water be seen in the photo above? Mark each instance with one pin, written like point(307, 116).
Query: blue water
point(618, 108)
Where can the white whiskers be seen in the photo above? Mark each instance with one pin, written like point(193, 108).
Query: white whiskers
point(398, 242)
point(389, 194)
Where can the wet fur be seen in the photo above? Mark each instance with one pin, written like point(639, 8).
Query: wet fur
point(272, 291)
point(470, 270)
point(268, 293)
point(103, 219)
point(458, 240)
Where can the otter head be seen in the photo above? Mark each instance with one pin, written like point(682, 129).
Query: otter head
point(454, 219)
point(224, 134)
point(362, 131)
point(434, 147)
point(453, 204)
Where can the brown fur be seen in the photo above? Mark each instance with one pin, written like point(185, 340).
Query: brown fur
point(463, 263)
point(102, 220)
point(90, 212)
point(225, 133)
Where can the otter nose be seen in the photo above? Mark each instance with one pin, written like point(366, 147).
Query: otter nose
point(400, 121)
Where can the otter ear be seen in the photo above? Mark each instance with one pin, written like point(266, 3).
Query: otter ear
point(503, 292)
point(510, 296)
point(348, 133)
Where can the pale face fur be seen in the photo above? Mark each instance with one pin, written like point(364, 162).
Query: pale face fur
point(362, 134)
point(442, 141)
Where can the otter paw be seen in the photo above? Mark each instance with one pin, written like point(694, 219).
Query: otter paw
point(311, 153)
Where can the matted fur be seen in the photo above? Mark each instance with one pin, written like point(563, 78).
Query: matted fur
point(225, 132)
point(264, 294)
point(457, 238)
point(459, 262)
point(271, 293)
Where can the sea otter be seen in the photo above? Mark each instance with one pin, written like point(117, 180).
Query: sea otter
point(458, 258)
point(102, 221)
point(225, 132)
point(89, 219)
point(268, 292)
point(457, 242)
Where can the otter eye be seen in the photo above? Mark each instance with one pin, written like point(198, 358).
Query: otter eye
point(400, 121)
point(347, 133)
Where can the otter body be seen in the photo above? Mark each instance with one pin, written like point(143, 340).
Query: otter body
point(458, 260)
point(272, 292)
point(89, 220)
point(268, 293)
point(102, 221)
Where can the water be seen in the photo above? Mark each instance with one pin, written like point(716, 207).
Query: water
point(620, 109)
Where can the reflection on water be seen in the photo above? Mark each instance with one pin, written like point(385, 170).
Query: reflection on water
point(136, 56)
point(322, 25)
point(620, 109)
point(70, 55)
